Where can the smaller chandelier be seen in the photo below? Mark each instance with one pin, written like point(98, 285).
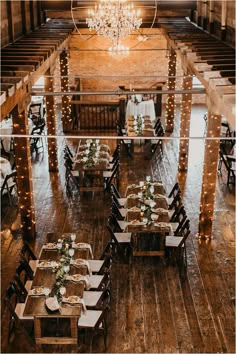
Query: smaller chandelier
point(119, 51)
point(114, 19)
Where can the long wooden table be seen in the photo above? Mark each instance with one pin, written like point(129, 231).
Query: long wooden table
point(146, 131)
point(147, 239)
point(35, 304)
point(91, 176)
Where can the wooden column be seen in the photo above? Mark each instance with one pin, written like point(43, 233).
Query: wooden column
point(66, 107)
point(24, 173)
point(23, 17)
point(223, 19)
point(209, 175)
point(186, 107)
point(170, 102)
point(51, 125)
point(10, 21)
point(31, 7)
point(122, 111)
point(158, 106)
point(39, 19)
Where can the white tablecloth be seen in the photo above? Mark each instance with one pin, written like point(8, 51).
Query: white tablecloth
point(6, 129)
point(145, 108)
point(5, 169)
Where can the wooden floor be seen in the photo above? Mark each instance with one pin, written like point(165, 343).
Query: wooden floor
point(154, 308)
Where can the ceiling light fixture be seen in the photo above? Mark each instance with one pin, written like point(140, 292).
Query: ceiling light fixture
point(119, 51)
point(114, 19)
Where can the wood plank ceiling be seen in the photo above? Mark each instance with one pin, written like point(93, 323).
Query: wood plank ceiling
point(165, 8)
point(23, 61)
point(210, 59)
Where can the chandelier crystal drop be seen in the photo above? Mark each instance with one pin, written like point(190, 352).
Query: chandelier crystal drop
point(114, 19)
point(119, 51)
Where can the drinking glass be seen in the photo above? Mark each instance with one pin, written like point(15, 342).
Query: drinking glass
point(46, 291)
point(59, 245)
point(62, 290)
point(66, 268)
point(71, 252)
point(73, 237)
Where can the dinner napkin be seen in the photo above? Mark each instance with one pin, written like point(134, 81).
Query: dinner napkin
point(160, 211)
point(136, 222)
point(50, 246)
point(148, 129)
point(164, 225)
point(47, 264)
point(134, 209)
point(81, 262)
point(74, 300)
point(38, 291)
point(52, 303)
point(132, 186)
point(84, 245)
point(159, 196)
point(79, 278)
point(134, 196)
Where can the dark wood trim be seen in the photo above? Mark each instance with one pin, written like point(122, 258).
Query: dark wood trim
point(23, 17)
point(10, 21)
point(39, 18)
point(31, 6)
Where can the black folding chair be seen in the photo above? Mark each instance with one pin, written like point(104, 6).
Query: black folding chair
point(9, 184)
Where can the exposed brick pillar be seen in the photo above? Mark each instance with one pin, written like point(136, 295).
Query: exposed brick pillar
point(186, 107)
point(51, 125)
point(170, 102)
point(209, 176)
point(65, 104)
point(24, 173)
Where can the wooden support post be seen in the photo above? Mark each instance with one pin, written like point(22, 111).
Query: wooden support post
point(185, 123)
point(209, 175)
point(10, 21)
point(24, 173)
point(31, 7)
point(66, 108)
point(122, 111)
point(51, 125)
point(39, 19)
point(23, 17)
point(170, 102)
point(158, 106)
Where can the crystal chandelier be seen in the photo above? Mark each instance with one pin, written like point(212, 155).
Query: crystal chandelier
point(119, 51)
point(114, 19)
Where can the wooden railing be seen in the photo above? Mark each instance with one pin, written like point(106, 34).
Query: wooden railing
point(97, 115)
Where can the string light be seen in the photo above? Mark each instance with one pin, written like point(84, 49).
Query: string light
point(66, 107)
point(186, 108)
point(170, 102)
point(209, 178)
point(51, 125)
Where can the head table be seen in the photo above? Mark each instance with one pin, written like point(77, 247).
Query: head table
point(144, 108)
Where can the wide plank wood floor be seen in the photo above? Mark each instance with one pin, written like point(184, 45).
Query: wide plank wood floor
point(155, 308)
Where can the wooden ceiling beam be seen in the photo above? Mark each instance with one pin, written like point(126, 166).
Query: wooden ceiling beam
point(35, 64)
point(31, 54)
point(22, 96)
point(22, 67)
point(24, 75)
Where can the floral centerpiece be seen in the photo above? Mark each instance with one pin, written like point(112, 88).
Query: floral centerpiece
point(146, 197)
point(91, 153)
point(138, 124)
point(65, 247)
